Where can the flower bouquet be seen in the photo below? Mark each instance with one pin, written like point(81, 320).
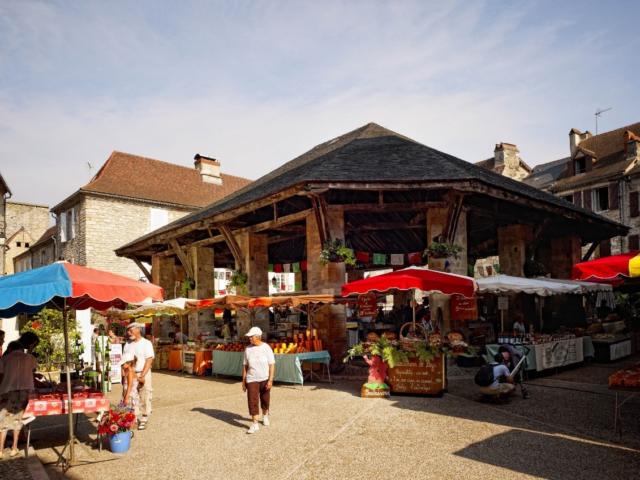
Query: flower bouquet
point(117, 424)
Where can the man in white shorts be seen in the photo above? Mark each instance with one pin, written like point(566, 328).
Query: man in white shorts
point(142, 349)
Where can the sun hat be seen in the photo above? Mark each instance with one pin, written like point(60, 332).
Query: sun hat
point(126, 358)
point(135, 325)
point(254, 332)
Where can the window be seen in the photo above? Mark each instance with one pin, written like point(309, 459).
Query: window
point(634, 205)
point(634, 242)
point(71, 231)
point(601, 199)
point(568, 198)
point(605, 248)
point(158, 217)
point(63, 227)
point(26, 244)
point(18, 244)
point(580, 165)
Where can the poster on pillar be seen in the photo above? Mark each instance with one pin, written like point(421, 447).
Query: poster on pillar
point(463, 308)
point(367, 305)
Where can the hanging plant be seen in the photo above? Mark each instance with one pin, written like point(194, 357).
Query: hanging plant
point(239, 281)
point(186, 285)
point(442, 250)
point(390, 353)
point(335, 252)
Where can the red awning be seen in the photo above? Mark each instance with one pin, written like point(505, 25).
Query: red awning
point(613, 269)
point(413, 278)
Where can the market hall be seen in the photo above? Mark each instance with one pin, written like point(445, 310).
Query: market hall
point(383, 197)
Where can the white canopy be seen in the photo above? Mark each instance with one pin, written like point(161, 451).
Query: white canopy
point(543, 287)
point(587, 287)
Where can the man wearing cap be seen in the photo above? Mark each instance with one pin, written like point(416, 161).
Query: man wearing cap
point(257, 377)
point(142, 350)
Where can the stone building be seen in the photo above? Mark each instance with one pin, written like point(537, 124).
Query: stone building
point(5, 193)
point(129, 197)
point(379, 192)
point(26, 223)
point(602, 175)
point(42, 252)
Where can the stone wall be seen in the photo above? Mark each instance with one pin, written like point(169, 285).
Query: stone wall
point(34, 218)
point(104, 224)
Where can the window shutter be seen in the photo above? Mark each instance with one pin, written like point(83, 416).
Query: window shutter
point(634, 206)
point(577, 198)
point(634, 242)
point(586, 199)
point(613, 196)
point(63, 227)
point(73, 223)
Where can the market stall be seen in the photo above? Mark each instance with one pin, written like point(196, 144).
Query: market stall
point(416, 362)
point(624, 381)
point(542, 351)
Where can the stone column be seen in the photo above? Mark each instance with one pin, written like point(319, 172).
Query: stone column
point(512, 246)
point(329, 278)
point(255, 249)
point(201, 259)
point(565, 252)
point(163, 274)
point(436, 222)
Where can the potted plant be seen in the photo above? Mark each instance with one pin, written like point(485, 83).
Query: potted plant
point(117, 425)
point(334, 251)
point(239, 281)
point(438, 254)
point(187, 285)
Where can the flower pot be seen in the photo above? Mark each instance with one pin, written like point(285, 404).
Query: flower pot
point(120, 442)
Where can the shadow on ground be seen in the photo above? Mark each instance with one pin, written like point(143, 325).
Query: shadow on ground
point(224, 416)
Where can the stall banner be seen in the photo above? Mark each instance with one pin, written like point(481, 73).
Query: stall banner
point(115, 356)
point(367, 305)
point(463, 308)
point(559, 353)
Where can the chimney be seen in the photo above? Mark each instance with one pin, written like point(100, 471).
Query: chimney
point(209, 169)
point(632, 146)
point(506, 155)
point(575, 137)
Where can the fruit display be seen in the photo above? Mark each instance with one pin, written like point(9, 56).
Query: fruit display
point(629, 377)
point(231, 347)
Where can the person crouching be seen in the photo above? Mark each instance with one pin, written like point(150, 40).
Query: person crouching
point(258, 370)
point(503, 383)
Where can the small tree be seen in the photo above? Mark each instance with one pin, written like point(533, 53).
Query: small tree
point(47, 324)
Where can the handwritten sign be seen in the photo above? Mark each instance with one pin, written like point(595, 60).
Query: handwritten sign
point(367, 305)
point(418, 377)
point(559, 353)
point(463, 308)
point(503, 303)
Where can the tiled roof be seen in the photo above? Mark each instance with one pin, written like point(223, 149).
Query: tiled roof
point(610, 143)
point(47, 235)
point(136, 177)
point(545, 174)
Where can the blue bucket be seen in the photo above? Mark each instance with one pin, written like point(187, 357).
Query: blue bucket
point(120, 442)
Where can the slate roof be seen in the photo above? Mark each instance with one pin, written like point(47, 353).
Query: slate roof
point(545, 174)
point(5, 187)
point(135, 177)
point(490, 164)
point(48, 234)
point(369, 154)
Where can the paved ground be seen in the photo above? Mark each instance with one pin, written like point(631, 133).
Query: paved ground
point(328, 432)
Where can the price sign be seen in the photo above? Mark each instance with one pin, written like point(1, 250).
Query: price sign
point(367, 305)
point(417, 377)
point(503, 303)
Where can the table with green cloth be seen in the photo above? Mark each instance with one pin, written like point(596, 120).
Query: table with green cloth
point(537, 352)
point(288, 366)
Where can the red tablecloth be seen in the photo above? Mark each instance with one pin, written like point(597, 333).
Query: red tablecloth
point(56, 404)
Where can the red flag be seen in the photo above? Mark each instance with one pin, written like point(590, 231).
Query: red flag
point(277, 268)
point(415, 258)
point(303, 265)
point(362, 257)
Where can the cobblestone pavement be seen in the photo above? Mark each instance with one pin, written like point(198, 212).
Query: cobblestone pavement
point(325, 431)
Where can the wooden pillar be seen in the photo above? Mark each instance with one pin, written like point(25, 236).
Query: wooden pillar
point(256, 262)
point(512, 246)
point(565, 252)
point(329, 278)
point(163, 274)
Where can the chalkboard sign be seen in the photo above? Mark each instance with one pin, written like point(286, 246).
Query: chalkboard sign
point(418, 377)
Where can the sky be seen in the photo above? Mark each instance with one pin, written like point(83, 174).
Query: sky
point(255, 84)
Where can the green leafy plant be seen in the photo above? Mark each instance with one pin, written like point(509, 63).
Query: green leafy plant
point(47, 324)
point(390, 353)
point(334, 251)
point(239, 281)
point(426, 353)
point(442, 250)
point(186, 285)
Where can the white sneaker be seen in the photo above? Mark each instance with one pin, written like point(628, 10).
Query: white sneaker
point(265, 420)
point(253, 428)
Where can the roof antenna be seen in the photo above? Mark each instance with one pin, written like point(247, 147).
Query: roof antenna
point(599, 112)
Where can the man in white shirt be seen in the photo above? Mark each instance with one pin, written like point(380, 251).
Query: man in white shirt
point(258, 370)
point(142, 349)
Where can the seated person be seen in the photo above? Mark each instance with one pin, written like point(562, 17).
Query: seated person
point(518, 325)
point(503, 384)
